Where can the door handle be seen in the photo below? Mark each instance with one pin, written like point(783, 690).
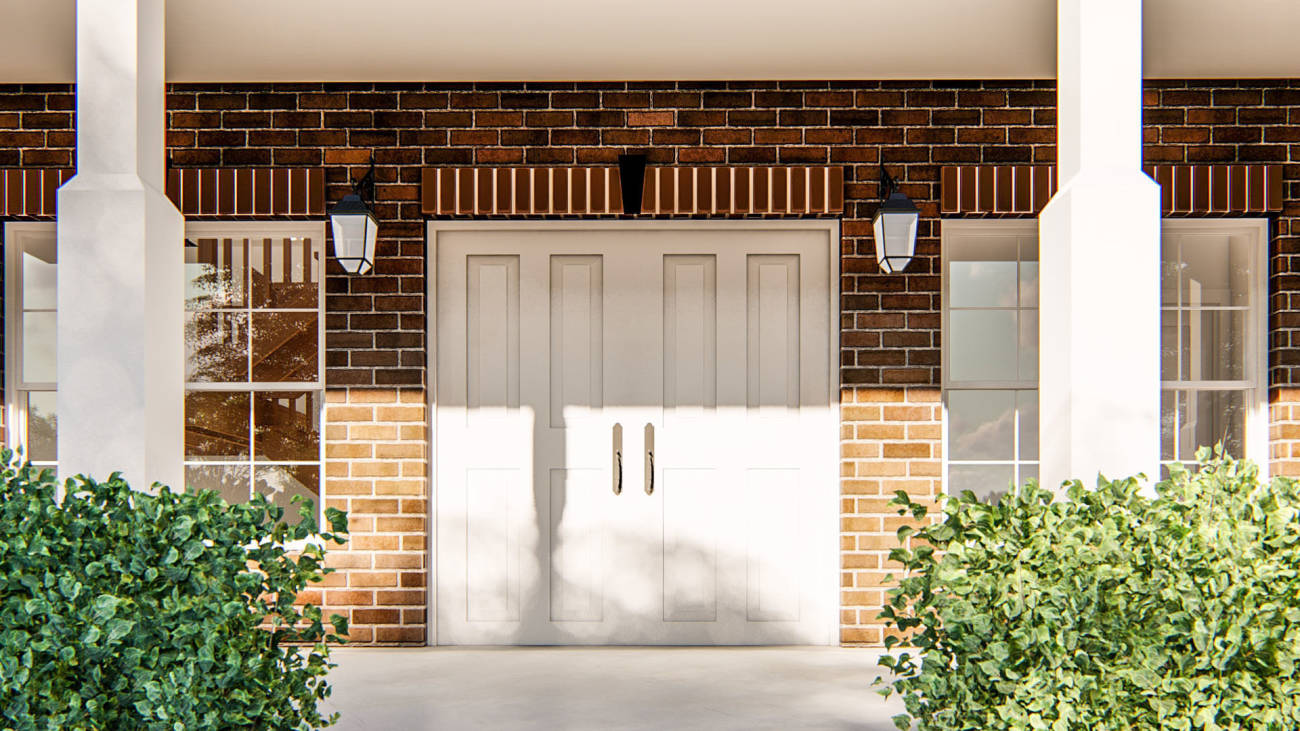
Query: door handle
point(618, 459)
point(649, 459)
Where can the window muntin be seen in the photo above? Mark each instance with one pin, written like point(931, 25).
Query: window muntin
point(31, 297)
point(254, 337)
point(990, 356)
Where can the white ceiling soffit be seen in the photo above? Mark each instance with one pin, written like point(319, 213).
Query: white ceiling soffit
point(596, 40)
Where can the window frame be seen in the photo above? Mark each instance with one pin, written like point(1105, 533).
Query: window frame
point(15, 406)
point(315, 230)
point(950, 230)
point(1255, 440)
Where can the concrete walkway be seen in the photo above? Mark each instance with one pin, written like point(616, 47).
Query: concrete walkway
point(608, 688)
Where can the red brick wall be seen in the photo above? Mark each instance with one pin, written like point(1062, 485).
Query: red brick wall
point(890, 355)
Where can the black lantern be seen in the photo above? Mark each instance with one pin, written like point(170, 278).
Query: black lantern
point(355, 226)
point(895, 227)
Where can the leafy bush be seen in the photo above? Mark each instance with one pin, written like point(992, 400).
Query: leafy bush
point(1109, 610)
point(129, 610)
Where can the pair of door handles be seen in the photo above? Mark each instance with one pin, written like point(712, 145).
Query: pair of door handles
point(649, 459)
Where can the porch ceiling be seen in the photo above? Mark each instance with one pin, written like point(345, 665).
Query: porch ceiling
point(520, 40)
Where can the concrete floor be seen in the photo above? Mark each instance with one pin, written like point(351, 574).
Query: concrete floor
point(608, 688)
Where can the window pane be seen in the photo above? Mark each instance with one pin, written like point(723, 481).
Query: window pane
point(1209, 417)
point(216, 347)
point(1027, 472)
point(1169, 345)
point(231, 481)
point(1212, 345)
point(982, 283)
point(1029, 345)
point(42, 427)
point(281, 482)
point(983, 345)
point(39, 282)
point(39, 336)
point(216, 425)
point(285, 273)
point(1170, 270)
point(287, 426)
point(981, 424)
point(1216, 270)
point(284, 346)
point(1028, 284)
point(1027, 406)
point(1168, 424)
point(215, 270)
point(987, 481)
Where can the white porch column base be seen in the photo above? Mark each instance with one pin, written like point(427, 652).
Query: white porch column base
point(121, 324)
point(1099, 327)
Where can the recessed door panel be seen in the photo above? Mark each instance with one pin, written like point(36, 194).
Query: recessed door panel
point(492, 348)
point(690, 340)
point(773, 549)
point(577, 337)
point(495, 503)
point(773, 328)
point(578, 502)
point(690, 544)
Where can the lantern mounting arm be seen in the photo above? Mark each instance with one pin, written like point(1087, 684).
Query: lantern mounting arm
point(888, 186)
point(365, 186)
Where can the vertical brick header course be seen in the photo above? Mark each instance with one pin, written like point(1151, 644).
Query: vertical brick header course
point(247, 192)
point(679, 191)
point(30, 192)
point(1184, 189)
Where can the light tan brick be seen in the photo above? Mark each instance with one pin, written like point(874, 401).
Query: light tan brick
point(375, 469)
point(366, 579)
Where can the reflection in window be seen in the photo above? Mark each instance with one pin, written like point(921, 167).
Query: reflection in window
point(990, 361)
point(1208, 365)
point(253, 364)
point(32, 364)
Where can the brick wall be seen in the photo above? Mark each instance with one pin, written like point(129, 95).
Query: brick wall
point(890, 355)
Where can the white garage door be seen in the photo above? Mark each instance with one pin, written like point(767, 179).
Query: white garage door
point(636, 432)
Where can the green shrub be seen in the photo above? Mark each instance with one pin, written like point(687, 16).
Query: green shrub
point(129, 610)
point(1110, 610)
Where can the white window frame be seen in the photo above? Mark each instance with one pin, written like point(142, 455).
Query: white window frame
point(314, 230)
point(15, 233)
point(1256, 231)
point(950, 231)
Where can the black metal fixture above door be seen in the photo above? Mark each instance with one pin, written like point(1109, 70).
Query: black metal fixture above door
point(631, 178)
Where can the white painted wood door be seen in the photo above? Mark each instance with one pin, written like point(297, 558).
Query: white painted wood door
point(708, 347)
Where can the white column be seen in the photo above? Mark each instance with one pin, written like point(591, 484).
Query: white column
point(1099, 252)
point(120, 268)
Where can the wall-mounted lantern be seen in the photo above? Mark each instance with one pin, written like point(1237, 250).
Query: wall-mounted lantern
point(355, 226)
point(895, 226)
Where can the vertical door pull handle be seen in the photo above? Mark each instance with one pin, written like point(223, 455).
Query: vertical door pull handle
point(618, 459)
point(649, 459)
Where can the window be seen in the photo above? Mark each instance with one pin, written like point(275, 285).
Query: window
point(990, 354)
point(1213, 334)
point(253, 337)
point(31, 298)
point(1212, 358)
